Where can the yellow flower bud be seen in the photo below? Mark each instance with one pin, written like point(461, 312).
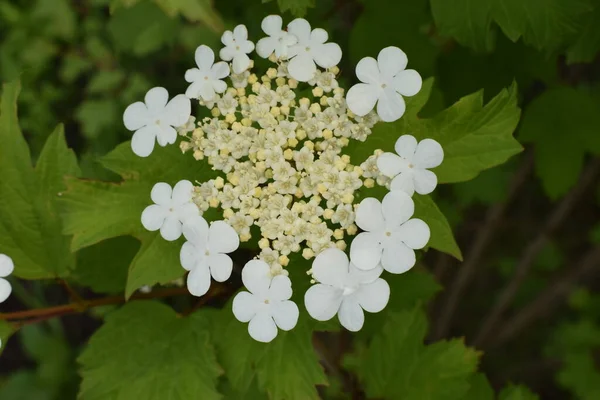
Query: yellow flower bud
point(284, 260)
point(304, 102)
point(219, 183)
point(214, 202)
point(327, 134)
point(315, 108)
point(245, 238)
point(340, 244)
point(272, 73)
point(247, 122)
point(293, 84)
point(328, 213)
point(301, 134)
point(230, 118)
point(338, 234)
point(241, 91)
point(199, 154)
point(285, 110)
point(352, 229)
point(369, 183)
point(308, 254)
point(288, 154)
point(252, 79)
point(228, 213)
point(263, 243)
point(292, 142)
point(215, 112)
point(275, 111)
point(309, 144)
point(348, 198)
point(323, 101)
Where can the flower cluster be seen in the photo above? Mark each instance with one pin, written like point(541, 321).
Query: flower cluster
point(277, 141)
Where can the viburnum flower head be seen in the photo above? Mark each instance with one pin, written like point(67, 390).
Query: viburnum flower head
point(310, 51)
point(172, 208)
point(409, 166)
point(390, 236)
point(385, 81)
point(155, 119)
point(344, 290)
point(206, 80)
point(278, 42)
point(267, 305)
point(6, 268)
point(205, 253)
point(237, 47)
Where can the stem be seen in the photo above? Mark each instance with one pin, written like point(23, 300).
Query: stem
point(548, 299)
point(558, 216)
point(478, 248)
point(42, 314)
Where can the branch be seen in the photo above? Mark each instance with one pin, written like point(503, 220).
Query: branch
point(42, 314)
point(478, 248)
point(558, 216)
point(544, 304)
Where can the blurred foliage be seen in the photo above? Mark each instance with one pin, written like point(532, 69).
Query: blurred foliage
point(81, 62)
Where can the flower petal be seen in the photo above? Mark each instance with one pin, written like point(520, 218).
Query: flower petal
point(193, 91)
point(368, 71)
point(328, 55)
point(171, 228)
point(196, 231)
point(142, 142)
point(271, 25)
point(391, 164)
point(319, 35)
point(161, 194)
point(241, 62)
point(404, 182)
point(415, 233)
point(425, 181)
point(245, 306)
point(397, 257)
point(193, 75)
point(6, 265)
point(187, 211)
point(302, 67)
point(262, 328)
point(198, 281)
point(285, 314)
point(391, 105)
point(156, 99)
point(397, 207)
point(153, 217)
point(178, 111)
point(408, 82)
point(374, 296)
point(266, 46)
point(322, 301)
point(204, 57)
point(220, 70)
point(219, 86)
point(166, 135)
point(406, 146)
point(358, 276)
point(365, 251)
point(369, 215)
point(136, 116)
point(222, 238)
point(330, 267)
point(429, 154)
point(192, 256)
point(281, 288)
point(227, 53)
point(301, 29)
point(5, 289)
point(351, 315)
point(182, 192)
point(228, 40)
point(221, 266)
point(240, 33)
point(391, 61)
point(361, 98)
point(256, 276)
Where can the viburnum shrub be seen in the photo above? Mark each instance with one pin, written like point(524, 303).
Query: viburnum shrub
point(278, 137)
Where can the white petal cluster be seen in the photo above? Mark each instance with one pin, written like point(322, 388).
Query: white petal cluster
point(205, 253)
point(408, 168)
point(155, 120)
point(267, 304)
point(172, 208)
point(344, 290)
point(6, 268)
point(237, 47)
point(384, 82)
point(207, 79)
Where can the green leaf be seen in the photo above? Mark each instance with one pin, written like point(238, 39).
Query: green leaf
point(122, 205)
point(517, 393)
point(442, 238)
point(397, 364)
point(6, 331)
point(480, 389)
point(144, 350)
point(103, 267)
point(97, 116)
point(30, 229)
point(194, 11)
point(290, 358)
point(297, 8)
point(563, 125)
point(587, 44)
point(579, 374)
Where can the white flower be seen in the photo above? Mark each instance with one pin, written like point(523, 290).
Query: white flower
point(237, 47)
point(6, 268)
point(390, 235)
point(172, 209)
point(206, 80)
point(204, 253)
point(267, 305)
point(155, 120)
point(385, 81)
point(409, 167)
point(278, 41)
point(310, 49)
point(344, 290)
